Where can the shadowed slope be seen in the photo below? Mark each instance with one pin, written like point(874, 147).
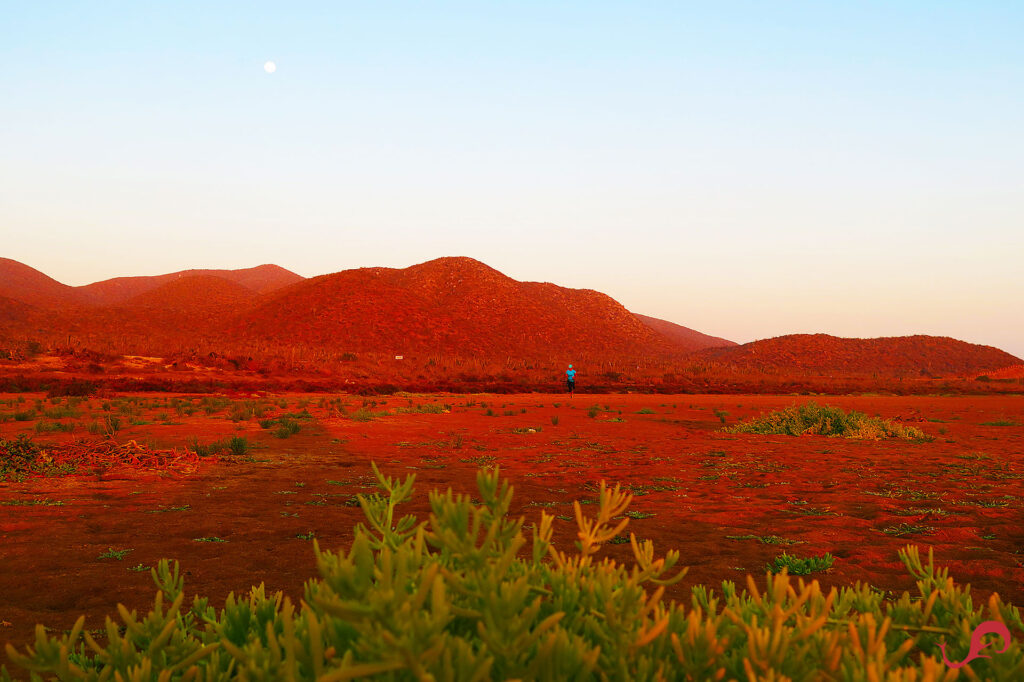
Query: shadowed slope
point(684, 337)
point(898, 355)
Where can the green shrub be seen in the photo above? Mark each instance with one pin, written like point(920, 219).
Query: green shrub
point(826, 420)
point(47, 427)
point(22, 457)
point(362, 415)
point(466, 595)
point(238, 445)
point(800, 566)
point(1000, 422)
point(61, 412)
point(427, 408)
point(288, 427)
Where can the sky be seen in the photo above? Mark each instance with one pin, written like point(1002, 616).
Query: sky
point(746, 169)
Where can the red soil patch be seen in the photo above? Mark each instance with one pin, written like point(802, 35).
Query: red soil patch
point(698, 490)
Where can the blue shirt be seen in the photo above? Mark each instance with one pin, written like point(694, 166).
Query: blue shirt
point(571, 373)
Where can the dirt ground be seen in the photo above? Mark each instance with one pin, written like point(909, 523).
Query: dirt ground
point(728, 503)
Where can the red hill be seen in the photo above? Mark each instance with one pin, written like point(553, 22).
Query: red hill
point(195, 295)
point(451, 305)
point(27, 285)
point(684, 337)
point(181, 314)
point(891, 356)
point(260, 279)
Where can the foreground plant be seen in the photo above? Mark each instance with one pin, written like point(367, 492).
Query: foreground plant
point(467, 595)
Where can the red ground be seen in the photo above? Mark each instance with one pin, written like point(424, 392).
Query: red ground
point(963, 491)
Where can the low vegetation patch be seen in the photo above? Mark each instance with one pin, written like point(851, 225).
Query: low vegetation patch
point(800, 565)
point(22, 458)
point(825, 420)
point(469, 594)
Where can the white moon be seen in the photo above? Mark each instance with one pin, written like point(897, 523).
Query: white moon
point(270, 67)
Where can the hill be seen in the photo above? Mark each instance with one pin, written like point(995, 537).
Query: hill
point(455, 306)
point(27, 285)
point(260, 279)
point(890, 356)
point(684, 337)
point(195, 295)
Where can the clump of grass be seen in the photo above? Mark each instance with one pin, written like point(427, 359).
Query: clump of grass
point(112, 553)
point(826, 420)
point(1000, 422)
point(903, 529)
point(918, 511)
point(765, 539)
point(61, 412)
point(288, 428)
point(800, 566)
point(236, 445)
point(213, 538)
point(554, 420)
point(111, 424)
point(47, 427)
point(37, 502)
point(645, 410)
point(426, 408)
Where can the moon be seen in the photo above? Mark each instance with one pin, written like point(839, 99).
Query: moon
point(270, 67)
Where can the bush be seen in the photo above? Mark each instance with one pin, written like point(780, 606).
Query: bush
point(288, 428)
point(238, 445)
point(467, 596)
point(826, 420)
point(22, 457)
point(799, 566)
point(75, 387)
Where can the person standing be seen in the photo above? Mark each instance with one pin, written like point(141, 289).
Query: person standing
point(570, 380)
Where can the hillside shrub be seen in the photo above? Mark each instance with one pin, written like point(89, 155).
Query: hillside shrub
point(826, 420)
point(468, 595)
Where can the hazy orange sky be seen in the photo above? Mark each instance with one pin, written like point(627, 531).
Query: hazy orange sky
point(745, 169)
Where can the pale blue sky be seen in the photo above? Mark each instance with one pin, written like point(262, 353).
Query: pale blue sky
point(746, 169)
